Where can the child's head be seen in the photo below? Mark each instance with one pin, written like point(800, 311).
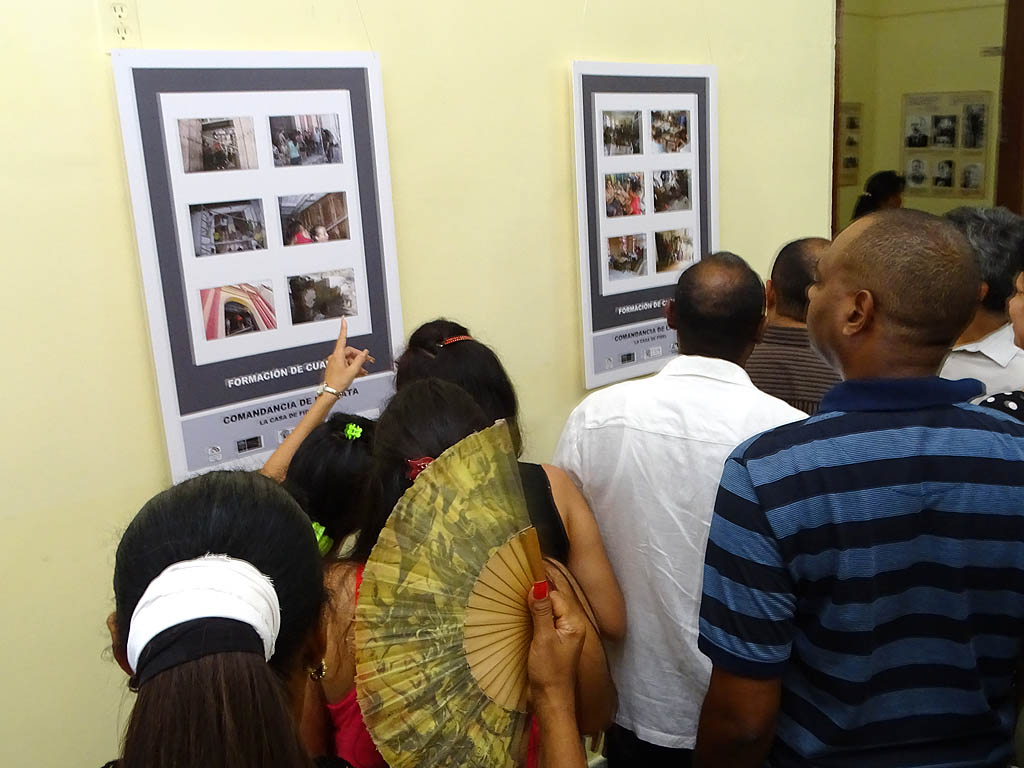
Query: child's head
point(422, 421)
point(320, 234)
point(327, 474)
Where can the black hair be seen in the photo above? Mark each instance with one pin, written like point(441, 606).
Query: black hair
point(996, 236)
point(225, 709)
point(423, 420)
point(327, 473)
point(880, 187)
point(468, 364)
point(793, 273)
point(718, 307)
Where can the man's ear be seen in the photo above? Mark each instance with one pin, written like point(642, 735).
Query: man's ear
point(120, 649)
point(670, 313)
point(769, 295)
point(983, 291)
point(860, 314)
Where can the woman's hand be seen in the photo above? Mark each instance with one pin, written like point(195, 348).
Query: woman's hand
point(558, 632)
point(345, 364)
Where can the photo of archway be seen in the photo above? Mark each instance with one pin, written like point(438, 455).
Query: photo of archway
point(230, 227)
point(322, 295)
point(621, 132)
point(314, 218)
point(234, 310)
point(217, 144)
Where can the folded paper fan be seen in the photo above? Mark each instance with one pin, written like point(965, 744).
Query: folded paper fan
point(442, 626)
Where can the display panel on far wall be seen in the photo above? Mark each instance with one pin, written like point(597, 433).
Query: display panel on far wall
point(646, 181)
point(944, 139)
point(261, 194)
point(851, 132)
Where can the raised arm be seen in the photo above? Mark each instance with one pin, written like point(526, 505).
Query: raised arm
point(344, 365)
point(588, 559)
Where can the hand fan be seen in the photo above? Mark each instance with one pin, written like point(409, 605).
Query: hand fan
point(442, 627)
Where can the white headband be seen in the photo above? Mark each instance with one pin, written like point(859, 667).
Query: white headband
point(209, 587)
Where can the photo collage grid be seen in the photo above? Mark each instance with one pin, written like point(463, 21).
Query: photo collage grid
point(647, 179)
point(944, 142)
point(259, 263)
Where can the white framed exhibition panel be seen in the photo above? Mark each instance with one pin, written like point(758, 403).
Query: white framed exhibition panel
point(261, 194)
point(647, 204)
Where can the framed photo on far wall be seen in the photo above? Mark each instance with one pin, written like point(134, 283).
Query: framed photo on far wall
point(262, 201)
point(850, 135)
point(646, 182)
point(945, 143)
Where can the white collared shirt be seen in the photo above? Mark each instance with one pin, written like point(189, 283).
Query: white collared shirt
point(648, 456)
point(994, 360)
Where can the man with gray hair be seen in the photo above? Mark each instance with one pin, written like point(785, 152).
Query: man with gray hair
point(985, 350)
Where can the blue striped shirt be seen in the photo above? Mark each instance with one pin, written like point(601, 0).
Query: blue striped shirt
point(872, 557)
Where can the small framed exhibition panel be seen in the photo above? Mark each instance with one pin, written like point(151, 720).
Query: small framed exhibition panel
point(647, 192)
point(262, 203)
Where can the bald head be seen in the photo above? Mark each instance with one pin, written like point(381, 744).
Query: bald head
point(793, 273)
point(718, 308)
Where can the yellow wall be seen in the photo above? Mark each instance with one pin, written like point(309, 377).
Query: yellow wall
point(911, 46)
point(478, 101)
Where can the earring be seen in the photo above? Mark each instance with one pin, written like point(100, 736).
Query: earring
point(319, 672)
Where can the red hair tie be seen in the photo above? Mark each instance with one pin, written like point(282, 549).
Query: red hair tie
point(453, 339)
point(416, 466)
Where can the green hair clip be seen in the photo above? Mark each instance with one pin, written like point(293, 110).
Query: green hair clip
point(353, 431)
point(323, 541)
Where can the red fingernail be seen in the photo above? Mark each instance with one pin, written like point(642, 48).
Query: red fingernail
point(540, 590)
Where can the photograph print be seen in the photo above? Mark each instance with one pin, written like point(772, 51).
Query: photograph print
point(670, 130)
point(944, 173)
point(621, 132)
point(233, 310)
point(624, 194)
point(671, 190)
point(917, 172)
point(305, 140)
point(217, 144)
point(314, 218)
point(974, 126)
point(674, 249)
point(627, 257)
point(231, 227)
point(853, 123)
point(943, 130)
point(972, 177)
point(322, 295)
point(918, 131)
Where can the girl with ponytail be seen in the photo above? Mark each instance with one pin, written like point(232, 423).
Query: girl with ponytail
point(883, 190)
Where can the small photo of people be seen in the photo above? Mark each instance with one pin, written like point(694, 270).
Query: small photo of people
point(852, 140)
point(314, 218)
point(944, 130)
point(972, 177)
point(621, 132)
point(232, 310)
point(231, 227)
point(674, 249)
point(851, 161)
point(671, 191)
point(217, 144)
point(670, 131)
point(944, 173)
point(917, 172)
point(627, 256)
point(624, 194)
point(322, 295)
point(305, 140)
point(918, 130)
point(974, 126)
point(853, 123)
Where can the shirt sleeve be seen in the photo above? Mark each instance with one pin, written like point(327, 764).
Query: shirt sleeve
point(746, 611)
point(568, 454)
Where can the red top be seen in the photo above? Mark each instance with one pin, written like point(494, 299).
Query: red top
point(300, 239)
point(635, 205)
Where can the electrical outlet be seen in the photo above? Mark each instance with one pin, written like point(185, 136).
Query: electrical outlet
point(119, 24)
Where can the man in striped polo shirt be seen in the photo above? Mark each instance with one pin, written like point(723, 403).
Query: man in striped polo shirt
point(863, 597)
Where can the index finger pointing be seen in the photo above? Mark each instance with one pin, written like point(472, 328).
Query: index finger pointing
point(342, 342)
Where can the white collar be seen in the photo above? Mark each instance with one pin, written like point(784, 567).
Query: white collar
point(707, 367)
point(998, 346)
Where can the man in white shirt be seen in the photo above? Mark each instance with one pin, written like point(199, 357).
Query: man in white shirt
point(648, 456)
point(985, 350)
